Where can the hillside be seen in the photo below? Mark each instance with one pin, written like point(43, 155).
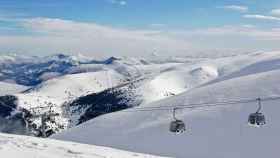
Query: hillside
point(211, 132)
point(90, 90)
point(96, 103)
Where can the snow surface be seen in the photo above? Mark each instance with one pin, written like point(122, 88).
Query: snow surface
point(13, 146)
point(167, 79)
point(68, 87)
point(10, 88)
point(211, 132)
point(58, 91)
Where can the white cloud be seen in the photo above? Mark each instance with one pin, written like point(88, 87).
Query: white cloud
point(119, 2)
point(58, 35)
point(60, 27)
point(230, 32)
point(123, 2)
point(48, 36)
point(248, 26)
point(231, 39)
point(275, 12)
point(244, 30)
point(238, 8)
point(261, 17)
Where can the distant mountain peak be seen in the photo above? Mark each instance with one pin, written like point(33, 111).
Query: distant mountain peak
point(111, 60)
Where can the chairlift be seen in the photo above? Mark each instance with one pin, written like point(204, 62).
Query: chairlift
point(177, 126)
point(257, 119)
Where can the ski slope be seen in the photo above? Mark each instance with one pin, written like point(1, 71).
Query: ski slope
point(211, 132)
point(13, 146)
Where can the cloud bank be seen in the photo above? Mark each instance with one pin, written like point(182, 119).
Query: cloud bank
point(49, 36)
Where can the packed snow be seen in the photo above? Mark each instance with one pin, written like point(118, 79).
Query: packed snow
point(13, 146)
point(211, 132)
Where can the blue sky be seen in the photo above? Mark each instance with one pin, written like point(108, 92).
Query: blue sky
point(244, 25)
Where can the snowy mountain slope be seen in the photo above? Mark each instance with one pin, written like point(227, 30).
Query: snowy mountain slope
point(80, 97)
point(14, 146)
point(70, 86)
point(56, 92)
point(59, 91)
point(175, 80)
point(212, 132)
point(31, 71)
point(85, 95)
point(10, 88)
point(27, 71)
point(240, 65)
point(156, 82)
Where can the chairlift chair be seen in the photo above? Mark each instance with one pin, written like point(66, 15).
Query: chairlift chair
point(177, 126)
point(257, 119)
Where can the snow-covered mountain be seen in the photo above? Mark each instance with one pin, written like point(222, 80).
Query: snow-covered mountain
point(85, 89)
point(13, 146)
point(31, 71)
point(89, 90)
point(211, 132)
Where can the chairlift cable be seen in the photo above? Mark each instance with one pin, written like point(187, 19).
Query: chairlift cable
point(200, 105)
